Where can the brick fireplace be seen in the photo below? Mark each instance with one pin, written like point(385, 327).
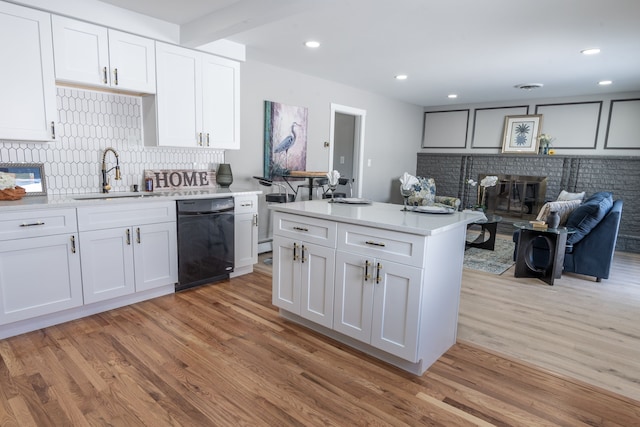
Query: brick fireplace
point(617, 174)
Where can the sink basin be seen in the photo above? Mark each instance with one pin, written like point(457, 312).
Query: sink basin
point(115, 195)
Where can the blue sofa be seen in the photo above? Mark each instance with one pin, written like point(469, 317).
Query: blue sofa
point(590, 250)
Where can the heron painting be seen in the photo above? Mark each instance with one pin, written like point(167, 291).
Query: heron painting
point(285, 139)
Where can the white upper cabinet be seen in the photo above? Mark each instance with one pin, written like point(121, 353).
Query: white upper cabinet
point(96, 56)
point(198, 99)
point(27, 82)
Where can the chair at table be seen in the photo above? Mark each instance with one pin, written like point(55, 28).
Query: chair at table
point(280, 197)
point(344, 184)
point(317, 184)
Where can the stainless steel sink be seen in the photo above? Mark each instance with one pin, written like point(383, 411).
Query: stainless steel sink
point(115, 195)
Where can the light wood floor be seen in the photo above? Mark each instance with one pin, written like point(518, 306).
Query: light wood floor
point(578, 327)
point(220, 355)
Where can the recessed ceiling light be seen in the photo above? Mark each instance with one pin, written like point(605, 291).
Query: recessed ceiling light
point(605, 82)
point(312, 44)
point(590, 51)
point(452, 96)
point(401, 77)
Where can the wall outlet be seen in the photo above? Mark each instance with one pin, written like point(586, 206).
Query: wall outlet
point(368, 162)
point(342, 160)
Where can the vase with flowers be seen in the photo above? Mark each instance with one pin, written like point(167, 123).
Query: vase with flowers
point(545, 143)
point(485, 183)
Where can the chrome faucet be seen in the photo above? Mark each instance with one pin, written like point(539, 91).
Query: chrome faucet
point(105, 181)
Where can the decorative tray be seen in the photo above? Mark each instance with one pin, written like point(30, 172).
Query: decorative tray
point(434, 209)
point(351, 201)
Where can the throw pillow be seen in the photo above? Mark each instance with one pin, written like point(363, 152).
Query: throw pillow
point(565, 195)
point(564, 209)
point(588, 215)
point(424, 192)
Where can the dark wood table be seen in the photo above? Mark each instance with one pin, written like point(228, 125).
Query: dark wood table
point(554, 238)
point(488, 229)
point(298, 175)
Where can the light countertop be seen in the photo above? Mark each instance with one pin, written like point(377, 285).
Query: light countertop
point(380, 215)
point(59, 201)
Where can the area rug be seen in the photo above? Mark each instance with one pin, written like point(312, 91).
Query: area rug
point(496, 262)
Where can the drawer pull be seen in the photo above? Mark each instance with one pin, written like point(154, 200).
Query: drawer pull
point(245, 204)
point(372, 243)
point(31, 224)
point(300, 229)
point(378, 268)
point(367, 276)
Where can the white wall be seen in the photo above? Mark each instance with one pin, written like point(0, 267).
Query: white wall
point(392, 136)
point(581, 125)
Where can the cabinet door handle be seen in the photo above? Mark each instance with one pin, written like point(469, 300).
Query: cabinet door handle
point(53, 130)
point(300, 229)
point(378, 268)
point(31, 224)
point(255, 220)
point(367, 276)
point(372, 243)
point(295, 255)
point(200, 139)
point(115, 76)
point(207, 139)
point(138, 234)
point(303, 258)
point(73, 244)
point(104, 74)
point(128, 236)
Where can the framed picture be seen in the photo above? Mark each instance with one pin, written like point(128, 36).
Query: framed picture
point(521, 134)
point(29, 176)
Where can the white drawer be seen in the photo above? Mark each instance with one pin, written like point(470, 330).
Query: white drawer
point(101, 217)
point(312, 230)
point(246, 204)
point(36, 223)
point(375, 242)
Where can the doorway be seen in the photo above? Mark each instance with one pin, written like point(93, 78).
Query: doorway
point(346, 146)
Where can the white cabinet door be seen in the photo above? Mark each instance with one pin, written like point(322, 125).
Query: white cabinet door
point(39, 276)
point(155, 255)
point(107, 264)
point(303, 278)
point(93, 55)
point(286, 274)
point(220, 102)
point(396, 309)
point(245, 240)
point(179, 96)
point(317, 283)
point(133, 62)
point(81, 51)
point(27, 81)
point(354, 295)
point(378, 302)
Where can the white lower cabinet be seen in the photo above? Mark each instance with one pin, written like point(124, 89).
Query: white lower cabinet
point(303, 278)
point(304, 267)
point(39, 264)
point(245, 232)
point(127, 249)
point(378, 302)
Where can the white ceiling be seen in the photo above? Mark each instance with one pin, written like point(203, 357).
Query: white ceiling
point(478, 49)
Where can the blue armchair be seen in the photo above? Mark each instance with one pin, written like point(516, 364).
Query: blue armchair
point(590, 250)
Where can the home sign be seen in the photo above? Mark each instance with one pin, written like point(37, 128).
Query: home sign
point(170, 179)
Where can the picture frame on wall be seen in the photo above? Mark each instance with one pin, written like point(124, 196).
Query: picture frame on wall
point(521, 134)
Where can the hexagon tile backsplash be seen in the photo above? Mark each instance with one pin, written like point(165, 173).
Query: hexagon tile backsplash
point(90, 121)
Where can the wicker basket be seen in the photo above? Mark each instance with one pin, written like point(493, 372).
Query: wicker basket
point(16, 193)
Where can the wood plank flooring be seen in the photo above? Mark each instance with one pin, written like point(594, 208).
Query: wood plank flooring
point(220, 355)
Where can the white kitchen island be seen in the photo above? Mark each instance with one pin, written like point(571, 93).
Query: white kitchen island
point(379, 279)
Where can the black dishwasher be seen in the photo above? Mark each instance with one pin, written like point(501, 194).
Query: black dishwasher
point(205, 241)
